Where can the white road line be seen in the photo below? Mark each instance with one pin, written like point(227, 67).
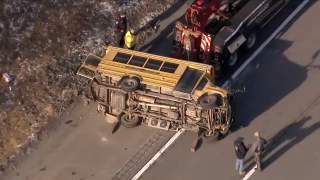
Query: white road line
point(292, 15)
point(225, 84)
point(159, 153)
point(242, 67)
point(246, 177)
point(274, 34)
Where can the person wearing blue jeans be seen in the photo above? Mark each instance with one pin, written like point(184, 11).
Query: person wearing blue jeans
point(239, 165)
point(241, 151)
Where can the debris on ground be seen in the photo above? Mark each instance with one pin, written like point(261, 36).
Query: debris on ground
point(7, 77)
point(42, 44)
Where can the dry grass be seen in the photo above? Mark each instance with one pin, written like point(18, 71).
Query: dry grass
point(42, 44)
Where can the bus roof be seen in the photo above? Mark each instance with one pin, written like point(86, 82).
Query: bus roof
point(159, 71)
point(124, 55)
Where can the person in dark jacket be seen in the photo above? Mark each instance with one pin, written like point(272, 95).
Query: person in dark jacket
point(121, 28)
point(241, 151)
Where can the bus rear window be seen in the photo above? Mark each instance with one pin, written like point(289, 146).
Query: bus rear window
point(93, 61)
point(83, 71)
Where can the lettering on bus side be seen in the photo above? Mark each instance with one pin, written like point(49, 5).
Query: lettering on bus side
point(142, 70)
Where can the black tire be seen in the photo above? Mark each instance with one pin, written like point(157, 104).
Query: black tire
point(232, 59)
point(129, 84)
point(208, 101)
point(212, 138)
point(251, 41)
point(129, 123)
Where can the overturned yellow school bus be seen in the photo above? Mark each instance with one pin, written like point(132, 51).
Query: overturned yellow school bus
point(161, 92)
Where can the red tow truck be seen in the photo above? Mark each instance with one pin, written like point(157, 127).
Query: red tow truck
point(216, 31)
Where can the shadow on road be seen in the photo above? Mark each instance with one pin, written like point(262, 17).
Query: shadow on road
point(291, 135)
point(168, 13)
point(315, 55)
point(166, 31)
point(267, 82)
point(273, 77)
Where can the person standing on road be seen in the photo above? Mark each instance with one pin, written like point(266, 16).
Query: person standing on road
point(130, 39)
point(258, 149)
point(121, 27)
point(241, 151)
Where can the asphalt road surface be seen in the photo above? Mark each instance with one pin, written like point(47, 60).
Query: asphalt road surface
point(281, 102)
point(80, 145)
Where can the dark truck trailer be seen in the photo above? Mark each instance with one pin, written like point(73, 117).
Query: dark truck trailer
point(241, 33)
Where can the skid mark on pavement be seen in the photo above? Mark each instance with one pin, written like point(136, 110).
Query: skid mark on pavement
point(146, 150)
point(158, 154)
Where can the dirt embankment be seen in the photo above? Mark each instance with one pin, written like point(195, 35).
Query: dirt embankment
point(42, 44)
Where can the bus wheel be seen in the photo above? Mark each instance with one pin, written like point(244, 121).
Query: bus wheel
point(129, 84)
point(208, 101)
point(210, 138)
point(129, 123)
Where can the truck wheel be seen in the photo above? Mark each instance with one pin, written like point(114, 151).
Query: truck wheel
point(212, 137)
point(129, 84)
point(129, 123)
point(232, 59)
point(208, 101)
point(251, 40)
